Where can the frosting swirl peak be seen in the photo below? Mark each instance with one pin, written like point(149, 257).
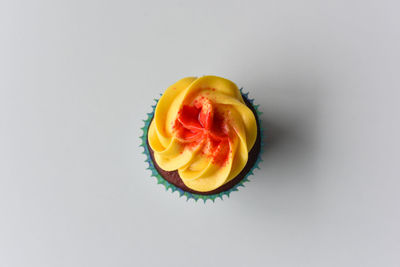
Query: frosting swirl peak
point(203, 129)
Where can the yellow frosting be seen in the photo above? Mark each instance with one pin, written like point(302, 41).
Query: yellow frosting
point(198, 158)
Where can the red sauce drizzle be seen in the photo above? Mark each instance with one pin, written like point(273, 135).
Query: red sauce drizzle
point(202, 122)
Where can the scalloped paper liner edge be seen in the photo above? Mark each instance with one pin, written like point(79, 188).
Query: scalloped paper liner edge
point(188, 195)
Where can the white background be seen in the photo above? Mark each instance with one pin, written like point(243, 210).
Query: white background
point(77, 78)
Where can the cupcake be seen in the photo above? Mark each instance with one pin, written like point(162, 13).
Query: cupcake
point(203, 138)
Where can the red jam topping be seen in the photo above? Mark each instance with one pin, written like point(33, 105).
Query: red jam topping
point(201, 123)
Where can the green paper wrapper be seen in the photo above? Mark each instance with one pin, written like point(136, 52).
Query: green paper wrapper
point(188, 195)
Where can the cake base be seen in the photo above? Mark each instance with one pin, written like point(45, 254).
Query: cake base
point(174, 178)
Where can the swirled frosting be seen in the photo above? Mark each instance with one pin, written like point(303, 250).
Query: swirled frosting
point(203, 129)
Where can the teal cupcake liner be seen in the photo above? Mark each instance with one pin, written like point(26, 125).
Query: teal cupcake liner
point(188, 195)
